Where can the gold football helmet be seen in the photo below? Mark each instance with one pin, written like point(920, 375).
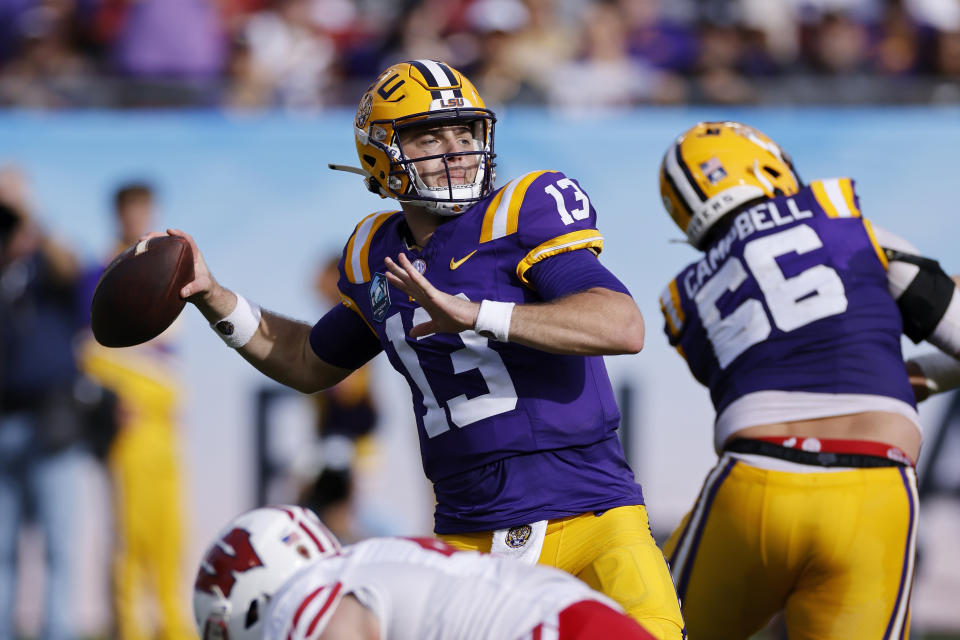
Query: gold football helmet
point(716, 167)
point(413, 94)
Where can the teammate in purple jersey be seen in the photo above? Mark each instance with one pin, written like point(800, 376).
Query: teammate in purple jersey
point(493, 305)
point(793, 318)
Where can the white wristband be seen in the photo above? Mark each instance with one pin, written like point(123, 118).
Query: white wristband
point(941, 371)
point(493, 321)
point(238, 327)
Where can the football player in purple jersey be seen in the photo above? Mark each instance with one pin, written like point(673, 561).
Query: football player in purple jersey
point(492, 303)
point(792, 317)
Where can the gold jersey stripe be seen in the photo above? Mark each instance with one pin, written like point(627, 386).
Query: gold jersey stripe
point(846, 187)
point(349, 303)
point(503, 213)
point(486, 229)
point(670, 306)
point(835, 196)
point(356, 264)
point(876, 245)
point(583, 239)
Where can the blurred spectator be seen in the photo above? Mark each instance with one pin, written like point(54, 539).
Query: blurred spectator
point(719, 79)
point(40, 425)
point(499, 69)
point(282, 59)
point(419, 32)
point(947, 62)
point(346, 417)
point(44, 68)
point(606, 76)
point(143, 459)
point(656, 39)
point(545, 44)
point(174, 50)
point(839, 45)
point(314, 54)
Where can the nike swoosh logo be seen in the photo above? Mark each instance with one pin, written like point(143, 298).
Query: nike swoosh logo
point(455, 264)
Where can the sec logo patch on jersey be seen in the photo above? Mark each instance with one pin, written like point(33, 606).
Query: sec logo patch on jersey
point(379, 297)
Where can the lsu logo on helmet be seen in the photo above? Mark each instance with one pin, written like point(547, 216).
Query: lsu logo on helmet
point(419, 93)
point(715, 167)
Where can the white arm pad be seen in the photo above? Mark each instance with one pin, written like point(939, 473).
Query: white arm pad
point(900, 275)
point(946, 336)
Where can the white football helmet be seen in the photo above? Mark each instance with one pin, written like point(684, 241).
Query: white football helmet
point(248, 562)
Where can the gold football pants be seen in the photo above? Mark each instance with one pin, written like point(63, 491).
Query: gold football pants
point(613, 553)
point(833, 549)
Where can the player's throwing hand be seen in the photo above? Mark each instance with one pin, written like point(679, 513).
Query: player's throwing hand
point(448, 314)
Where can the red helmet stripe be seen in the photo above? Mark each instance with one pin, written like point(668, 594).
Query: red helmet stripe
point(313, 537)
point(284, 509)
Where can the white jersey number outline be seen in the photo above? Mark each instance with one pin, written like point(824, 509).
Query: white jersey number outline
point(476, 354)
point(794, 302)
point(579, 213)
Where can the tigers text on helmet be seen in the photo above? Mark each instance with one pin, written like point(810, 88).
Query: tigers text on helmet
point(248, 562)
point(417, 95)
point(716, 167)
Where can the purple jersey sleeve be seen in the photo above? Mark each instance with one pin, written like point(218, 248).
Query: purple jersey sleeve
point(554, 217)
point(570, 272)
point(343, 339)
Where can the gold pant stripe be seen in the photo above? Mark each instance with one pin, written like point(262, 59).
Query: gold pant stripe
point(834, 550)
point(681, 560)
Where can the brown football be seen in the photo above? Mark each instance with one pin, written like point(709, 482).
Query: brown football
point(138, 295)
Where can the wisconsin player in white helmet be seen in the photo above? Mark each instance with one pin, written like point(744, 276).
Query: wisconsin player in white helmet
point(492, 303)
point(272, 580)
point(248, 561)
point(793, 318)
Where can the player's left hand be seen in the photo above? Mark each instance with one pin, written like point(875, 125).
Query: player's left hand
point(448, 314)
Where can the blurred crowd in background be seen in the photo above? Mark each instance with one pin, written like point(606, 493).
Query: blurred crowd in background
point(309, 55)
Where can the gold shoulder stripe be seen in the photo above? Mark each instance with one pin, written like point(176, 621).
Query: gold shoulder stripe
point(835, 196)
point(876, 245)
point(356, 263)
point(583, 239)
point(348, 302)
point(503, 212)
point(671, 308)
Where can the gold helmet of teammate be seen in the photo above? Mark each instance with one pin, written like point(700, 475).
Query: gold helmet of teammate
point(716, 167)
point(415, 94)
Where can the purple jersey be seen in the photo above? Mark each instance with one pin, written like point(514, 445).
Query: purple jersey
point(793, 297)
point(508, 434)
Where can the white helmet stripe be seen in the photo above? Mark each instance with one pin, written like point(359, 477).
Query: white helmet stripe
point(440, 77)
point(684, 189)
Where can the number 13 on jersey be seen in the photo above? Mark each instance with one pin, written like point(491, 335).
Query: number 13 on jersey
point(476, 354)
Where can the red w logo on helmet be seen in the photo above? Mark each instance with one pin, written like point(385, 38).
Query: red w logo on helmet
point(225, 564)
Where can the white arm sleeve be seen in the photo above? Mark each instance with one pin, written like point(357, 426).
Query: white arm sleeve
point(900, 275)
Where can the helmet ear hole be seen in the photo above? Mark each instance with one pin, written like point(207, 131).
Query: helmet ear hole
point(253, 614)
